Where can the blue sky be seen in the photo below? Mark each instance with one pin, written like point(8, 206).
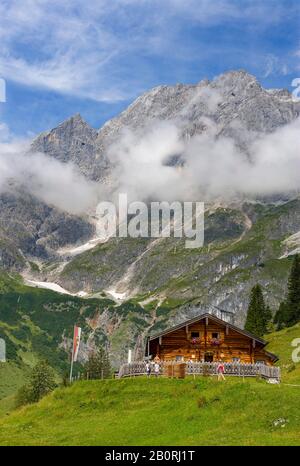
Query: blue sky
point(61, 57)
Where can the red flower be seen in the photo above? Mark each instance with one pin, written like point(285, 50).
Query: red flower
point(215, 341)
point(195, 340)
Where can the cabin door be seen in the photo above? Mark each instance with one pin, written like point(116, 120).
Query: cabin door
point(208, 357)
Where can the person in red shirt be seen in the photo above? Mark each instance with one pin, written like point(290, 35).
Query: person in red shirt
point(220, 371)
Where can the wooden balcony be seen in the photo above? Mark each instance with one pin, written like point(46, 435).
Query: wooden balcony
point(204, 368)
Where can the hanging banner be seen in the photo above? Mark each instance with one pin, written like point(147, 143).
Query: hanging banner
point(76, 342)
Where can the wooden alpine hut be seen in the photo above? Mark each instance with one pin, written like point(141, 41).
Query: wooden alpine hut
point(208, 338)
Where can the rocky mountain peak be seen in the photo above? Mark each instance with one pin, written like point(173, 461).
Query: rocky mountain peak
point(73, 140)
point(234, 101)
point(75, 126)
point(76, 121)
point(236, 75)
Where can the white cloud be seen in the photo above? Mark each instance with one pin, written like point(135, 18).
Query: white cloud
point(90, 49)
point(140, 162)
point(65, 47)
point(275, 66)
point(214, 166)
point(53, 182)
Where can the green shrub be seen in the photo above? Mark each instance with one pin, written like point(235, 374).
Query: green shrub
point(42, 382)
point(24, 396)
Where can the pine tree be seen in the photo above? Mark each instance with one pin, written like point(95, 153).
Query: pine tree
point(293, 297)
point(268, 319)
point(258, 315)
point(98, 365)
point(281, 316)
point(288, 313)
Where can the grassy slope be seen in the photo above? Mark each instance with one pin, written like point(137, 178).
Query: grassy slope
point(281, 344)
point(12, 376)
point(166, 412)
point(34, 321)
point(159, 412)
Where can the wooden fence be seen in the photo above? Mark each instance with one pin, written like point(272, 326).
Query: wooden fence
point(208, 368)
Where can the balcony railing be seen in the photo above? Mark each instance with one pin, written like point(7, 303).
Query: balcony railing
point(208, 368)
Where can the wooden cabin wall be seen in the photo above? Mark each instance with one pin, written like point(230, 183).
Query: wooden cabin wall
point(234, 344)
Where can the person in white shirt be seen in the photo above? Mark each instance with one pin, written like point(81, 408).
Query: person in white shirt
point(148, 369)
point(156, 369)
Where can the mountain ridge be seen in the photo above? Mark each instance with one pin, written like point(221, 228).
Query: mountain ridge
point(245, 242)
point(237, 94)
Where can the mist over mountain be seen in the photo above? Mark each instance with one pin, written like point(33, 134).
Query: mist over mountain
point(226, 135)
point(223, 140)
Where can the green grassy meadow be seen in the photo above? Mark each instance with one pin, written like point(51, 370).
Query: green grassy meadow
point(141, 411)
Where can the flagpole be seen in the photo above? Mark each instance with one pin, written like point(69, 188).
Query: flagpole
point(71, 371)
point(72, 359)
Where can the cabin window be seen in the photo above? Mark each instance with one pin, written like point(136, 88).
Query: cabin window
point(215, 335)
point(195, 334)
point(179, 358)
